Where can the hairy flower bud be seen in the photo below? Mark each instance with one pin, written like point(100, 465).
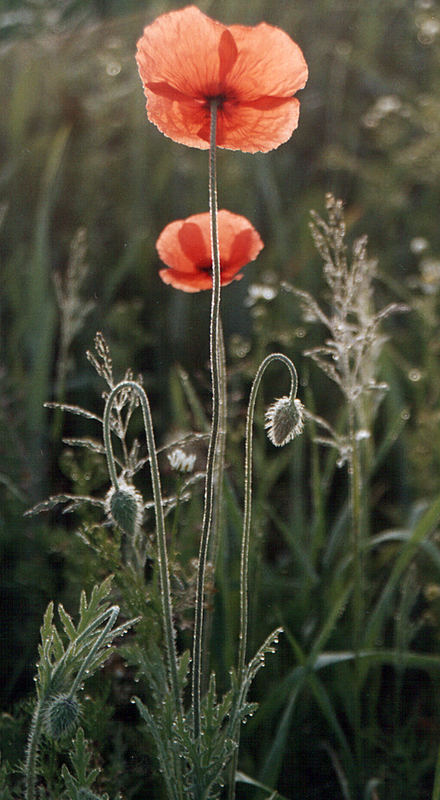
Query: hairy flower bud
point(125, 507)
point(284, 420)
point(61, 716)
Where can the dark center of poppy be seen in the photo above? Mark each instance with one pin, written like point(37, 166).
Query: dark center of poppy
point(220, 99)
point(206, 266)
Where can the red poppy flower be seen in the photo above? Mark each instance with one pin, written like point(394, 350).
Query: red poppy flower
point(187, 59)
point(185, 246)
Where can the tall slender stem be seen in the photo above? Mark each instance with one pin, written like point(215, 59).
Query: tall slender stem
point(354, 475)
point(244, 564)
point(210, 481)
point(218, 503)
point(244, 561)
point(165, 589)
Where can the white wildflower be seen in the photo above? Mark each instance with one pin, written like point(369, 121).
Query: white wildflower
point(181, 461)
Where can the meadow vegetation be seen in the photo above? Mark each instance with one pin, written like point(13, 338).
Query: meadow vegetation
point(344, 550)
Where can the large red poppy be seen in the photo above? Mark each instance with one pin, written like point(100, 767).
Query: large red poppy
point(185, 246)
point(187, 59)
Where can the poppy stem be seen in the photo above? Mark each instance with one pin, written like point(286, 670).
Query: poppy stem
point(210, 480)
point(165, 589)
point(244, 565)
point(245, 539)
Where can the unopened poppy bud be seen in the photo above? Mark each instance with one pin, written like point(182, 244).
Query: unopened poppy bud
point(284, 420)
point(125, 507)
point(61, 716)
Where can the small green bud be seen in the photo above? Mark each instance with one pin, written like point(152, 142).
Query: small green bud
point(61, 716)
point(284, 420)
point(125, 507)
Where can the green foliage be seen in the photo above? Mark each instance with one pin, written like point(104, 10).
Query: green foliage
point(79, 785)
point(64, 666)
point(59, 663)
point(195, 767)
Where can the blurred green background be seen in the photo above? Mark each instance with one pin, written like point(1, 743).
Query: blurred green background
point(87, 181)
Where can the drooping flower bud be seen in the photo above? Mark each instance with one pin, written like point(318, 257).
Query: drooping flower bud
point(284, 420)
point(125, 507)
point(61, 715)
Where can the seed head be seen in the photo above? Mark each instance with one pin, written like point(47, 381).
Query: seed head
point(284, 420)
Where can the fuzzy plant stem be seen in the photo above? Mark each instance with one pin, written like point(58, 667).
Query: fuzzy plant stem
point(30, 767)
point(244, 561)
point(218, 504)
point(165, 589)
point(210, 481)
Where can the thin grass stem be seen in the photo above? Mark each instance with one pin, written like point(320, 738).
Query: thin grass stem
point(355, 478)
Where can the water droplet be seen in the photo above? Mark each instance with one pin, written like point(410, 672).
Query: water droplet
point(113, 68)
point(415, 375)
point(418, 244)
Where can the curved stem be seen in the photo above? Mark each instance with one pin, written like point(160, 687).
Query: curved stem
point(111, 466)
point(165, 588)
point(248, 494)
point(210, 481)
point(244, 561)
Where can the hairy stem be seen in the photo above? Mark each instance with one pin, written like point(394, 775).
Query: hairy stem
point(244, 561)
point(165, 589)
point(210, 481)
point(32, 750)
point(218, 502)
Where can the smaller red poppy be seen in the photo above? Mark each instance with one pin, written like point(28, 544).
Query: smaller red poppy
point(185, 247)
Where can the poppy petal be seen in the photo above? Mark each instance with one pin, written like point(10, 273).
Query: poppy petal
point(195, 243)
point(186, 59)
point(184, 245)
point(269, 63)
point(193, 283)
point(182, 49)
point(257, 126)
